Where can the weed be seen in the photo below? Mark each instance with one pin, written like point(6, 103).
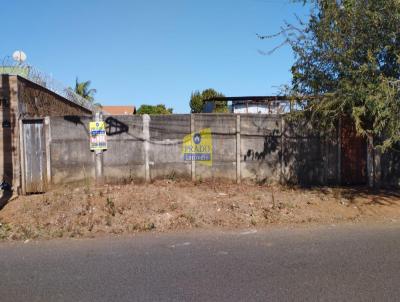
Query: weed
point(57, 233)
point(86, 180)
point(150, 226)
point(26, 232)
point(172, 175)
point(108, 220)
point(110, 206)
point(337, 194)
point(188, 217)
point(173, 206)
point(5, 231)
point(135, 227)
point(273, 199)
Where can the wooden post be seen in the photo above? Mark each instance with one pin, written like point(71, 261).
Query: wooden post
point(282, 174)
point(238, 155)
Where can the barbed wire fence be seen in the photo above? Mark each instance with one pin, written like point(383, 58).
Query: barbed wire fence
point(10, 66)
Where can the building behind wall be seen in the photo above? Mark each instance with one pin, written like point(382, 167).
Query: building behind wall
point(22, 99)
point(251, 104)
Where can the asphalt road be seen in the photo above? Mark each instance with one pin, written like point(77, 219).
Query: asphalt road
point(346, 263)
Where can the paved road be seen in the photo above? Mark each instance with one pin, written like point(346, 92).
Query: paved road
point(347, 263)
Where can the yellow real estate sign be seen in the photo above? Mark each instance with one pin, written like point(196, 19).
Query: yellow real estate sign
point(197, 146)
point(98, 140)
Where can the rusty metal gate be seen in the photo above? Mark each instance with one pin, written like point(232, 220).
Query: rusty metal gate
point(354, 155)
point(34, 156)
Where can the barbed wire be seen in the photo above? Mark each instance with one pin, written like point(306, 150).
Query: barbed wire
point(31, 73)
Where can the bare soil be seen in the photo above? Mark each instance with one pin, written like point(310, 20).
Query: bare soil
point(167, 205)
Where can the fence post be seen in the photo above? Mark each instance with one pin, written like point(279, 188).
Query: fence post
point(238, 156)
point(47, 136)
point(22, 156)
point(98, 154)
point(146, 138)
point(193, 167)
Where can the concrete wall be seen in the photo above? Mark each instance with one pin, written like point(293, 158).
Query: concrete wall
point(20, 98)
point(258, 147)
point(70, 157)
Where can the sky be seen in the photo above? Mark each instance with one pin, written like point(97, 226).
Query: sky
point(154, 51)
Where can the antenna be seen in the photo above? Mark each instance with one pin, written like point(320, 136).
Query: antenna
point(19, 56)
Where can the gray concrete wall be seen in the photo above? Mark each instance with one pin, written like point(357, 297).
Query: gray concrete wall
point(70, 157)
point(20, 98)
point(256, 147)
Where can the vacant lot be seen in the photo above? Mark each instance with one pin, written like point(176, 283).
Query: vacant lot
point(88, 210)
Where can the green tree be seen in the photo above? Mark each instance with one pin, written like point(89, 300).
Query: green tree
point(151, 109)
point(348, 59)
point(83, 89)
point(197, 101)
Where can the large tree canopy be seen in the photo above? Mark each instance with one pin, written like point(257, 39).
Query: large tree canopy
point(348, 58)
point(151, 109)
point(197, 101)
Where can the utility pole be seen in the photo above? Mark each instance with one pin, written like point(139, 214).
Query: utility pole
point(99, 154)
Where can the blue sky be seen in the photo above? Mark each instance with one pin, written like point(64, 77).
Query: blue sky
point(153, 51)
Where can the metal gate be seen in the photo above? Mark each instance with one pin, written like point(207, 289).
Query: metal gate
point(354, 155)
point(34, 156)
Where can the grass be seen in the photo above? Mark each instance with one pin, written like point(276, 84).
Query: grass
point(110, 206)
point(5, 231)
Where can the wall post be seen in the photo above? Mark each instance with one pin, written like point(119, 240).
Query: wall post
point(22, 156)
point(146, 140)
point(238, 155)
point(193, 164)
point(47, 138)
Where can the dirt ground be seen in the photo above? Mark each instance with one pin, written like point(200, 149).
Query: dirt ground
point(166, 205)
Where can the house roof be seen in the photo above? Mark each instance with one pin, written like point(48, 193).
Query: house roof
point(119, 110)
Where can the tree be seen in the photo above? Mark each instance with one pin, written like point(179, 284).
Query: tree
point(150, 109)
point(197, 101)
point(82, 89)
point(348, 59)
